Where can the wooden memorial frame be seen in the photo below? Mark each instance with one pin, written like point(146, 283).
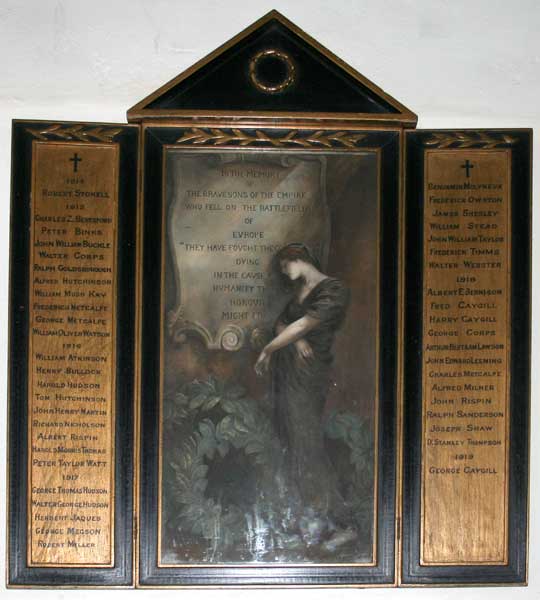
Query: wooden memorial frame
point(72, 354)
point(382, 150)
point(467, 420)
point(147, 263)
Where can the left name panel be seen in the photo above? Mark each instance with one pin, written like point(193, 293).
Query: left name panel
point(76, 186)
point(71, 360)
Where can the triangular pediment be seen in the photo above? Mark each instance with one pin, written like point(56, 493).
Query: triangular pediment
point(272, 69)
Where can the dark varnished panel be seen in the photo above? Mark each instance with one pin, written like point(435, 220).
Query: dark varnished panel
point(501, 475)
point(112, 565)
point(150, 572)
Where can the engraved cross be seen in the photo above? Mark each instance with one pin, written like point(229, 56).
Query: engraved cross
point(467, 166)
point(75, 159)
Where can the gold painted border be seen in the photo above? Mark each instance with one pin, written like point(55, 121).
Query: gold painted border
point(400, 379)
point(508, 153)
point(529, 345)
point(138, 361)
point(271, 118)
point(7, 538)
point(207, 149)
point(255, 121)
point(112, 507)
point(285, 586)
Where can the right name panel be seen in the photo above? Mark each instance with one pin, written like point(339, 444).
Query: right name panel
point(467, 353)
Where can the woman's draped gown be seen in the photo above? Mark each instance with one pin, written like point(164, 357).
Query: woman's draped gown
point(299, 390)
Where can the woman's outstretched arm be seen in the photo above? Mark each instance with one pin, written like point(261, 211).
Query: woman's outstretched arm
point(290, 334)
point(280, 326)
point(302, 346)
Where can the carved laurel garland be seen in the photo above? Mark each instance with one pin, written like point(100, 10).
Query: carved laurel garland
point(81, 133)
point(458, 139)
point(220, 137)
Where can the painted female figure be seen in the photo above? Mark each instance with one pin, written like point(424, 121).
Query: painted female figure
point(299, 360)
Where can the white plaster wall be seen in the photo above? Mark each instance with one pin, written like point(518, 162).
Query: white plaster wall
point(460, 63)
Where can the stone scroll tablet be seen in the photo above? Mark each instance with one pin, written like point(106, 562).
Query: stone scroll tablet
point(466, 352)
point(72, 306)
point(228, 216)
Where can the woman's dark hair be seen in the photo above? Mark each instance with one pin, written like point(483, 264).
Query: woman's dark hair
point(291, 252)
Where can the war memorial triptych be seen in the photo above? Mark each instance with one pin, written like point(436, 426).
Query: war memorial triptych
point(268, 334)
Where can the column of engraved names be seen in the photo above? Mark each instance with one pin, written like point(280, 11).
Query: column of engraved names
point(466, 263)
point(71, 354)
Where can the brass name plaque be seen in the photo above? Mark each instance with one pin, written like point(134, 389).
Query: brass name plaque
point(71, 354)
point(466, 345)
